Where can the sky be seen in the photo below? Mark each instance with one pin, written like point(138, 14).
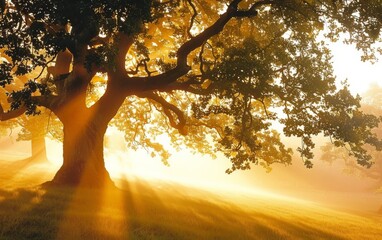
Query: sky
point(348, 65)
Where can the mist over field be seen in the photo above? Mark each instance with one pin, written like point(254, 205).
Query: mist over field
point(288, 203)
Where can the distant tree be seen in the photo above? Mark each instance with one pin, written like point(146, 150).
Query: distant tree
point(209, 74)
point(33, 129)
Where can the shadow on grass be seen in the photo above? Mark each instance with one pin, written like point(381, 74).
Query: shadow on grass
point(141, 210)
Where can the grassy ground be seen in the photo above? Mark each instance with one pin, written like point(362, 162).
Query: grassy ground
point(162, 210)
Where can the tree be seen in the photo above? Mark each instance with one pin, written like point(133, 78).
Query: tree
point(371, 104)
point(216, 72)
point(33, 129)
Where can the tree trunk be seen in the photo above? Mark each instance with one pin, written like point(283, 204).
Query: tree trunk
point(38, 149)
point(84, 131)
point(83, 156)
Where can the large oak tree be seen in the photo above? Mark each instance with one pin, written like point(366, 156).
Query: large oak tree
point(213, 75)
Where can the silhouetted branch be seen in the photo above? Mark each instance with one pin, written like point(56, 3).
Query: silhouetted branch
point(150, 83)
point(167, 109)
point(11, 114)
point(194, 14)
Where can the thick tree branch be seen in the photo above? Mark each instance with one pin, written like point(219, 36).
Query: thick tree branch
point(44, 101)
point(61, 67)
point(123, 44)
point(49, 102)
point(209, 32)
point(11, 114)
point(137, 84)
point(108, 105)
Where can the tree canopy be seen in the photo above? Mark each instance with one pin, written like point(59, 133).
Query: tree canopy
point(213, 75)
point(371, 103)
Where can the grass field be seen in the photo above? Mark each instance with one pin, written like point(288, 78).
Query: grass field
point(164, 210)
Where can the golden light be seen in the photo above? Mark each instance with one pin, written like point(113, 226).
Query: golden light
point(201, 171)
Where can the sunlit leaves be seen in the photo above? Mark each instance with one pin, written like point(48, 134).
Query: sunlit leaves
point(342, 151)
point(292, 72)
point(136, 120)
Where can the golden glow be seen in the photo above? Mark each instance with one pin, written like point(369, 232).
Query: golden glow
point(193, 195)
point(287, 193)
point(156, 208)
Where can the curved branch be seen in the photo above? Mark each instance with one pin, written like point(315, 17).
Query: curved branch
point(219, 129)
point(167, 109)
point(11, 114)
point(44, 101)
point(201, 67)
point(194, 15)
point(209, 32)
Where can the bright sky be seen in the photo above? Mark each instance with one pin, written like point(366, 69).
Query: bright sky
point(347, 65)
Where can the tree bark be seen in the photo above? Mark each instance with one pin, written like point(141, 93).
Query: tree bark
point(83, 164)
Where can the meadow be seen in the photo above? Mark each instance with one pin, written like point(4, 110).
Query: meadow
point(165, 210)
